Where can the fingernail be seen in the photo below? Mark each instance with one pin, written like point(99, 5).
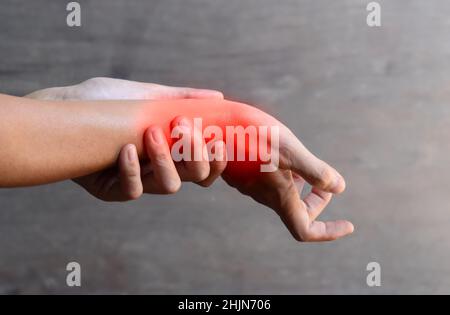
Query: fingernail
point(157, 136)
point(132, 154)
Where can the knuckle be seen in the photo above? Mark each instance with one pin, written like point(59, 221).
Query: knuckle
point(132, 187)
point(160, 159)
point(300, 238)
point(205, 184)
point(171, 187)
point(132, 173)
point(325, 178)
point(92, 81)
point(199, 173)
point(203, 174)
point(303, 236)
point(134, 194)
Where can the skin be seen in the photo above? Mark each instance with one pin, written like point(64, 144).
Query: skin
point(128, 179)
point(70, 138)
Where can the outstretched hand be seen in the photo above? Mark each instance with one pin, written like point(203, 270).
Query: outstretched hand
point(280, 190)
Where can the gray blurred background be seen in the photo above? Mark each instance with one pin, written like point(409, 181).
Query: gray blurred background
point(372, 102)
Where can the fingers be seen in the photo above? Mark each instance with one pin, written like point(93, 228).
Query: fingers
point(50, 94)
point(299, 218)
point(316, 201)
point(217, 164)
point(109, 88)
point(315, 171)
point(168, 92)
point(117, 186)
point(195, 164)
point(199, 167)
point(183, 92)
point(329, 231)
point(130, 173)
point(164, 178)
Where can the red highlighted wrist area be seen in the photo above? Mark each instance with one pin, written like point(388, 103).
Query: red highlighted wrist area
point(251, 136)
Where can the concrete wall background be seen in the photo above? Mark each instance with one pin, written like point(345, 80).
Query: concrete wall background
point(373, 102)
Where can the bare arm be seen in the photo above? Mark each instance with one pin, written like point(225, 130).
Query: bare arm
point(128, 179)
point(44, 141)
point(48, 141)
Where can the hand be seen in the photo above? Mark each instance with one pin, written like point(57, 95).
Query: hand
point(281, 191)
point(127, 181)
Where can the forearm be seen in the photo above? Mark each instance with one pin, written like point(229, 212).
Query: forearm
point(48, 141)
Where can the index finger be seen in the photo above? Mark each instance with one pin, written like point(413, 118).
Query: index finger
point(298, 220)
point(296, 157)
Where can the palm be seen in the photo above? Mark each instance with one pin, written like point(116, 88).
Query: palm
point(268, 189)
point(281, 190)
